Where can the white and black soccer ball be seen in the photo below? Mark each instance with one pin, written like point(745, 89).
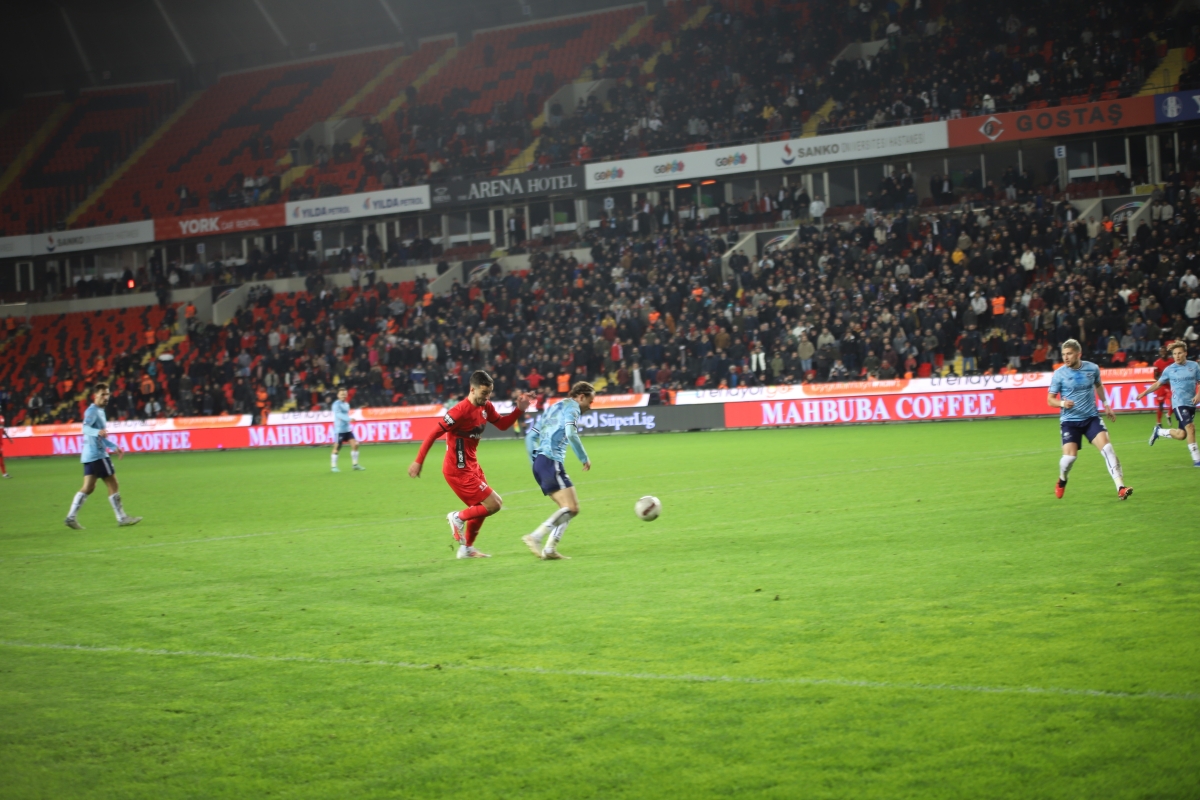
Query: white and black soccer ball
point(648, 508)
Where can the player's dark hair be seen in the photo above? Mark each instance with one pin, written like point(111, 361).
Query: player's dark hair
point(100, 387)
point(480, 378)
point(581, 387)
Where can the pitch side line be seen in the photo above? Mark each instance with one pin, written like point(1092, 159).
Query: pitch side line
point(636, 676)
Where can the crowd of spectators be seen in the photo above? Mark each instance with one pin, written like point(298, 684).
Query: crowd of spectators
point(990, 288)
point(740, 77)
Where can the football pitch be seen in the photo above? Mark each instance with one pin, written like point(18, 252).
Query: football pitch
point(863, 612)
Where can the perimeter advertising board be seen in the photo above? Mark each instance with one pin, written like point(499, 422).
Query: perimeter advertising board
point(672, 167)
point(1040, 123)
point(523, 186)
point(1027, 401)
point(1177, 107)
point(254, 437)
point(853, 145)
point(354, 206)
point(237, 220)
point(93, 238)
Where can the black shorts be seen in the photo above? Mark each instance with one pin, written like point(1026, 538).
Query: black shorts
point(1186, 415)
point(550, 475)
point(345, 437)
point(1075, 431)
point(101, 468)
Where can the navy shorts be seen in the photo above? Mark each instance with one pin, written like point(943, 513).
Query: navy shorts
point(1076, 431)
point(345, 437)
point(550, 475)
point(1186, 415)
point(102, 468)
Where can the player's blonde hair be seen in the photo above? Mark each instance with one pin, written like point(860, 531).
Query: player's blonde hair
point(581, 387)
point(1072, 344)
point(1173, 346)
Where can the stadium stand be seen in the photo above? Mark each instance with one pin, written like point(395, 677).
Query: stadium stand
point(990, 289)
point(91, 136)
point(224, 151)
point(684, 79)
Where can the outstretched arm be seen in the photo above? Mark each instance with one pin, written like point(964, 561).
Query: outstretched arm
point(414, 469)
point(1151, 388)
point(508, 420)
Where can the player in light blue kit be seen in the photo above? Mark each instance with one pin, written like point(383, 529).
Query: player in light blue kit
point(1073, 389)
point(1184, 377)
point(96, 463)
point(546, 443)
point(343, 431)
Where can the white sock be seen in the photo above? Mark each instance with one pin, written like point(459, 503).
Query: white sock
point(333, 461)
point(557, 534)
point(1064, 466)
point(354, 457)
point(1113, 464)
point(114, 500)
point(76, 504)
point(554, 520)
point(1194, 449)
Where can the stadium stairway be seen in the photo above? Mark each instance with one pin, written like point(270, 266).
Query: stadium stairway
point(813, 123)
point(640, 30)
point(133, 159)
point(525, 159)
point(77, 148)
point(33, 146)
point(1166, 76)
point(385, 94)
point(223, 133)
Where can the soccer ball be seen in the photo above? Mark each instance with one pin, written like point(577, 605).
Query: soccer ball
point(648, 508)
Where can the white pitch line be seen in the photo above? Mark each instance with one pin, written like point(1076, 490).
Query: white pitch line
point(635, 676)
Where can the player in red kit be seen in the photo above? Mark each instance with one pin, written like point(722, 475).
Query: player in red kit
point(1162, 397)
point(3, 435)
point(462, 426)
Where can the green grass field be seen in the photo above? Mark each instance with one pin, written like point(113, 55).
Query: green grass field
point(867, 612)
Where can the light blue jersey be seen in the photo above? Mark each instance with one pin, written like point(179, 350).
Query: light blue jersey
point(1183, 379)
point(341, 417)
point(1079, 386)
point(95, 446)
point(550, 435)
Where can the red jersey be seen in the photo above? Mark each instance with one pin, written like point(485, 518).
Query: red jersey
point(463, 426)
point(1164, 391)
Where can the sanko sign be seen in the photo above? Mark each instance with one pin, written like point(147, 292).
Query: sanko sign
point(858, 144)
point(521, 186)
point(1059, 121)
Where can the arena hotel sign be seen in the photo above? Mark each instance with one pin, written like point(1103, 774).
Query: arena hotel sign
point(854, 145)
point(692, 165)
point(523, 186)
point(1058, 121)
